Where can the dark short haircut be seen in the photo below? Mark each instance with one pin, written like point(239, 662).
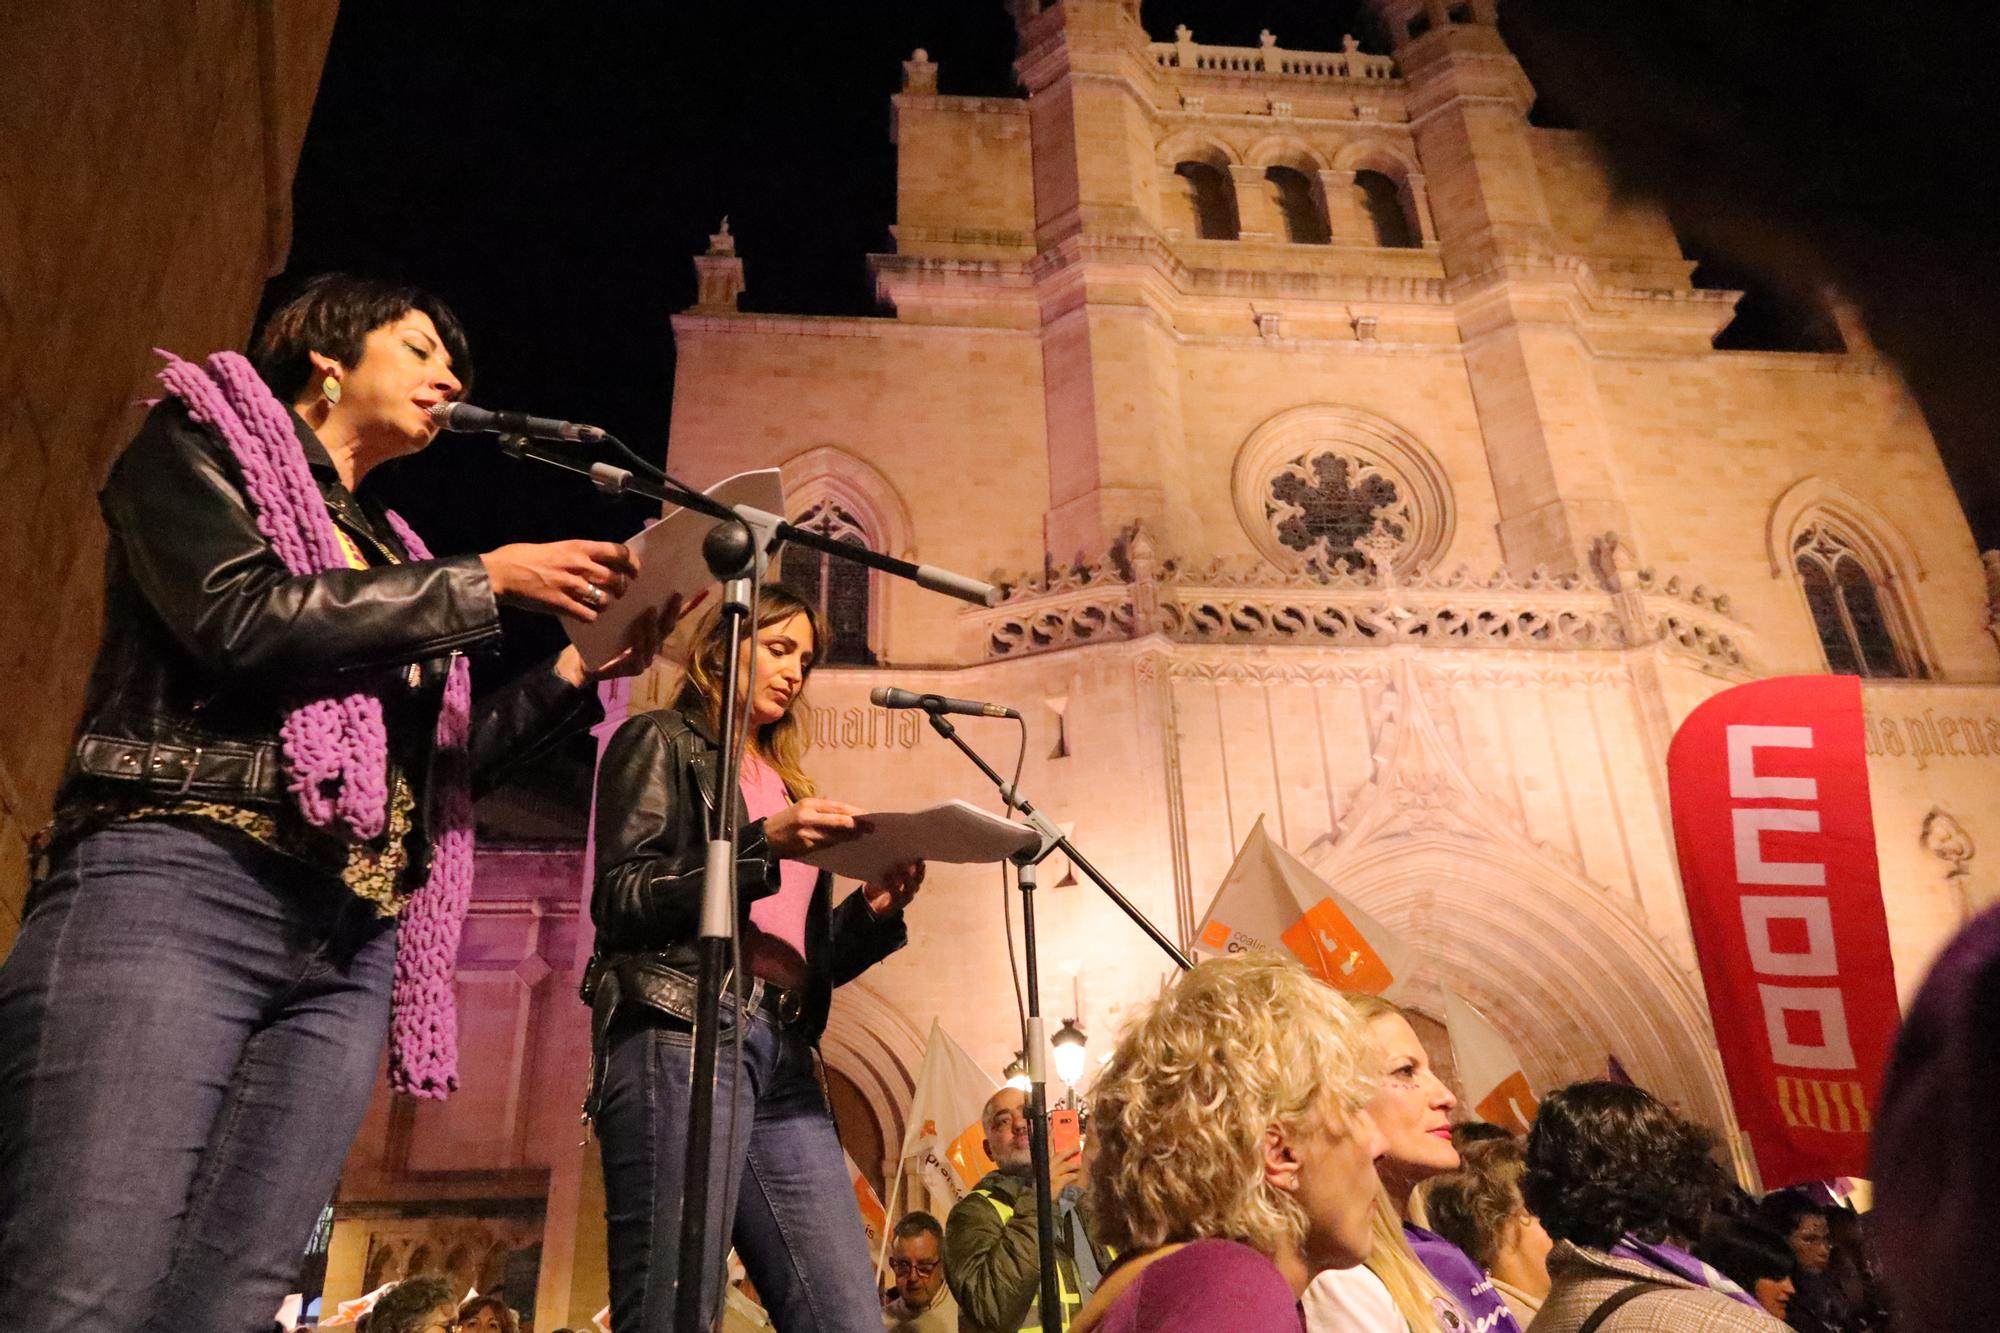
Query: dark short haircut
point(919, 1223)
point(509, 1321)
point(403, 1307)
point(1746, 1252)
point(333, 314)
point(1783, 1210)
point(1607, 1159)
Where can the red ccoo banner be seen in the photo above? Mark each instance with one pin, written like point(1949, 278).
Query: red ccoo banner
point(1777, 849)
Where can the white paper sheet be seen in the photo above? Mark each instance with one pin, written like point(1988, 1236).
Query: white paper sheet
point(670, 562)
point(955, 831)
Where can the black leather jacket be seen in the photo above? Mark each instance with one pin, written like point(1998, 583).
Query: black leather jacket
point(655, 787)
point(208, 637)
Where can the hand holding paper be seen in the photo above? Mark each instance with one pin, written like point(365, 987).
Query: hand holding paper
point(956, 832)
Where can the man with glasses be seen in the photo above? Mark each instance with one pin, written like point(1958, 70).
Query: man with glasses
point(923, 1302)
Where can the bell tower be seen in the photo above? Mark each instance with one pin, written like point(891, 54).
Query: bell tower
point(1515, 293)
point(1108, 354)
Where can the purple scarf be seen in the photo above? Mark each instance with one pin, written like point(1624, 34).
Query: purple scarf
point(336, 747)
point(1482, 1306)
point(1677, 1262)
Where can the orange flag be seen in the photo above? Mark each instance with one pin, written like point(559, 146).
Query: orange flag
point(873, 1215)
point(1271, 899)
point(944, 1133)
point(349, 1311)
point(1487, 1069)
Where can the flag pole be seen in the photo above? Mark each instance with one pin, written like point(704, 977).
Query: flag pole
point(889, 1222)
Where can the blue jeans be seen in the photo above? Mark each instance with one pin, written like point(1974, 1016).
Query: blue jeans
point(786, 1200)
point(190, 1026)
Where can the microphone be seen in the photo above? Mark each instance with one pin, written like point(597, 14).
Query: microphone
point(888, 696)
point(465, 419)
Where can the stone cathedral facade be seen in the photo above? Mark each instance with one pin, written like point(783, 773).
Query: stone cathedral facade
point(1354, 460)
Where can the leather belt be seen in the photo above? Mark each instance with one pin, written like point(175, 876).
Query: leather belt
point(225, 768)
point(614, 980)
point(653, 983)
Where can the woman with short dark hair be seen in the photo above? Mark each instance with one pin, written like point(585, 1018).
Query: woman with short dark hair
point(262, 845)
point(487, 1314)
point(1754, 1257)
point(1622, 1185)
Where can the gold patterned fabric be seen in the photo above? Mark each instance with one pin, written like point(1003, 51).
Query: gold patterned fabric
point(375, 870)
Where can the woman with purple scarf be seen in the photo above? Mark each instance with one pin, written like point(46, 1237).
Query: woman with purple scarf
point(1623, 1185)
point(262, 845)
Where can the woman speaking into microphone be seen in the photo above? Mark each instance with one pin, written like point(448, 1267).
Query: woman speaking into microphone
point(785, 1197)
point(262, 845)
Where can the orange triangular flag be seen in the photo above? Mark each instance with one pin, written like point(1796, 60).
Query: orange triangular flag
point(1271, 899)
point(1487, 1069)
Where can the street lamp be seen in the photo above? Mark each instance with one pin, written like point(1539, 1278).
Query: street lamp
point(1015, 1075)
point(1069, 1043)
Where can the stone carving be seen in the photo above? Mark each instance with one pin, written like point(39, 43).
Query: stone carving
point(1324, 501)
point(1946, 839)
point(1246, 600)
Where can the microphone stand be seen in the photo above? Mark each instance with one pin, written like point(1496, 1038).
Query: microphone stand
point(736, 551)
point(613, 480)
point(1034, 1043)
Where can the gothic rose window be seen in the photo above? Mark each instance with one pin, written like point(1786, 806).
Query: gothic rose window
point(839, 588)
point(1322, 503)
point(1849, 608)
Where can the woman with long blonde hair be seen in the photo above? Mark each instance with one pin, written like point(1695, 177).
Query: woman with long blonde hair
point(1414, 1280)
point(784, 1197)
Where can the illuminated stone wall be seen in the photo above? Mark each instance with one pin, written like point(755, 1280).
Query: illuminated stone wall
point(148, 161)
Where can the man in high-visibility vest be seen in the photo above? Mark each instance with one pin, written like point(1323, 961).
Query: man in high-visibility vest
point(991, 1256)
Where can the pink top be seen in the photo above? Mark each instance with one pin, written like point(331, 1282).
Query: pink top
point(1208, 1285)
point(775, 948)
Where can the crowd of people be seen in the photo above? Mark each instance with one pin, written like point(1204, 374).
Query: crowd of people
point(1266, 1154)
point(261, 853)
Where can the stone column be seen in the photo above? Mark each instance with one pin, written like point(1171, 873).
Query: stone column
point(1417, 203)
point(1256, 214)
point(1344, 219)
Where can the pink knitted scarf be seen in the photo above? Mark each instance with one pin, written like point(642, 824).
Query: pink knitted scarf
point(336, 747)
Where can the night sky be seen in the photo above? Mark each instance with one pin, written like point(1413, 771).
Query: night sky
point(550, 170)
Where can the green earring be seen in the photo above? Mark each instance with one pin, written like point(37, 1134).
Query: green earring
point(331, 388)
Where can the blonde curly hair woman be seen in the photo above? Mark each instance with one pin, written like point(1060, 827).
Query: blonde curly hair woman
point(1233, 1159)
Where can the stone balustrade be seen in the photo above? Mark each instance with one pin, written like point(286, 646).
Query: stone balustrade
point(1247, 600)
point(1268, 59)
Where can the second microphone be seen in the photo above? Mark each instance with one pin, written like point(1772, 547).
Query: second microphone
point(888, 696)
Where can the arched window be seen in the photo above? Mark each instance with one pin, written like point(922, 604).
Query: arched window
point(839, 588)
point(1852, 608)
point(1299, 205)
point(1381, 202)
point(1211, 197)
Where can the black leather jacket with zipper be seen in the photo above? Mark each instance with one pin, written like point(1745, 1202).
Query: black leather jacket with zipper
point(656, 785)
point(208, 638)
